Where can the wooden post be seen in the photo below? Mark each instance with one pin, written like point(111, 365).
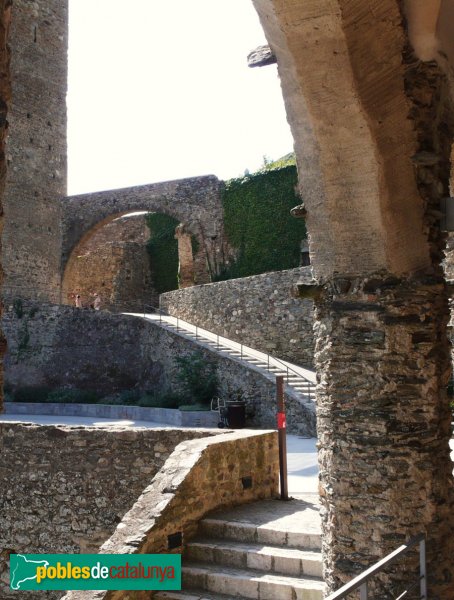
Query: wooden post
point(282, 431)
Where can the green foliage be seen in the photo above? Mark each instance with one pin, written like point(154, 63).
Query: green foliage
point(194, 407)
point(195, 244)
point(198, 378)
point(24, 337)
point(72, 396)
point(159, 399)
point(31, 393)
point(258, 222)
point(128, 398)
point(163, 250)
point(280, 163)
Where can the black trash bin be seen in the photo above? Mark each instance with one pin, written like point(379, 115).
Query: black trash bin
point(236, 414)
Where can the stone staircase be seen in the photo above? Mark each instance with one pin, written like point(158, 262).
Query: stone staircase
point(268, 550)
point(302, 381)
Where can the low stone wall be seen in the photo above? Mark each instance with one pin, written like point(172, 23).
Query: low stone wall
point(65, 489)
point(60, 346)
point(260, 312)
point(200, 476)
point(167, 416)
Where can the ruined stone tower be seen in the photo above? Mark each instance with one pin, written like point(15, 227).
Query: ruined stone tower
point(36, 149)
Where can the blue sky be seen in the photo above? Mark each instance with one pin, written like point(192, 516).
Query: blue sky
point(161, 90)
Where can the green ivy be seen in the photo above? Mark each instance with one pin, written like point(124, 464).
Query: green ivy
point(258, 222)
point(163, 250)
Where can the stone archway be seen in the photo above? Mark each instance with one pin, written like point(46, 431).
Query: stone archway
point(112, 261)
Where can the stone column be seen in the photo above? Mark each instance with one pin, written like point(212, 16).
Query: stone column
point(36, 150)
point(5, 97)
point(384, 424)
point(185, 257)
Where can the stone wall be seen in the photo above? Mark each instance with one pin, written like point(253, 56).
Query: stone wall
point(260, 312)
point(65, 489)
point(5, 97)
point(56, 346)
point(36, 149)
point(177, 499)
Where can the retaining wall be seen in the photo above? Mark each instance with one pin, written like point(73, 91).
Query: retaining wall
point(61, 346)
point(260, 311)
point(65, 489)
point(200, 476)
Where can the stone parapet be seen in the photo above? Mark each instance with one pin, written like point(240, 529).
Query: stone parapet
point(260, 311)
point(199, 477)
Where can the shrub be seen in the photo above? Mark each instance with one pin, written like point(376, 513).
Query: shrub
point(157, 399)
point(31, 393)
point(198, 378)
point(194, 407)
point(72, 396)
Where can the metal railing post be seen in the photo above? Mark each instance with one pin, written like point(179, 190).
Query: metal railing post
point(241, 351)
point(363, 592)
point(282, 433)
point(217, 339)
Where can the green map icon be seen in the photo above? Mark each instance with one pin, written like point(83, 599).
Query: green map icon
point(23, 569)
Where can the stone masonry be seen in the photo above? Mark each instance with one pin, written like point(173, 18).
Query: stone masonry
point(195, 202)
point(385, 331)
point(5, 97)
point(177, 498)
point(65, 489)
point(36, 149)
point(114, 262)
point(56, 347)
point(260, 311)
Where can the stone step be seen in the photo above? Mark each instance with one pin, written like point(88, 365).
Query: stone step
point(272, 559)
point(250, 583)
point(222, 529)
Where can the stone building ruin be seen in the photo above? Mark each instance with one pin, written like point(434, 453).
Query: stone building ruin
point(368, 91)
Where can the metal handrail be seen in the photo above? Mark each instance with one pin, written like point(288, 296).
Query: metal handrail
point(280, 364)
point(360, 582)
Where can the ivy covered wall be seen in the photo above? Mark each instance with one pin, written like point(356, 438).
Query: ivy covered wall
point(163, 249)
point(258, 223)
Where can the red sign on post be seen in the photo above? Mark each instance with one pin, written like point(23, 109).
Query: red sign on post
point(281, 423)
